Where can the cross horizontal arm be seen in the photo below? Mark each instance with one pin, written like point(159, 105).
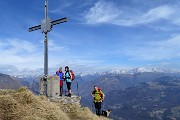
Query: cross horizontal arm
point(55, 22)
point(62, 20)
point(34, 28)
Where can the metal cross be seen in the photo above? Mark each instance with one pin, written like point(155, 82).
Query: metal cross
point(46, 26)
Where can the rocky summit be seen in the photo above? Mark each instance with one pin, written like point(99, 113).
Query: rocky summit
point(67, 100)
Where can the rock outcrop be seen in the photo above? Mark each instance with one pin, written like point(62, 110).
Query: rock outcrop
point(67, 100)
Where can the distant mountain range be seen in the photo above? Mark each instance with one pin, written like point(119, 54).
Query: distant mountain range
point(155, 100)
point(6, 82)
point(15, 82)
point(118, 88)
point(38, 72)
point(129, 93)
point(132, 71)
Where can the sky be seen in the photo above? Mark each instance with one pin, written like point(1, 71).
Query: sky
point(100, 35)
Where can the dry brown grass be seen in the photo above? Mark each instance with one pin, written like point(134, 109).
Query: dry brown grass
point(23, 105)
point(76, 113)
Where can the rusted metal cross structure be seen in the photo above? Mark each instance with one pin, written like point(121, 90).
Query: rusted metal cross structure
point(46, 26)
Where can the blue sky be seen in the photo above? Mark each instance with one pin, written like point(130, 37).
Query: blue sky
point(100, 35)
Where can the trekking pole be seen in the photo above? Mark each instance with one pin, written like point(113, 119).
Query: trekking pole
point(92, 108)
point(102, 105)
point(62, 88)
point(77, 87)
point(65, 92)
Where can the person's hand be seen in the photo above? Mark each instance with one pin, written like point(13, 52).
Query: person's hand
point(92, 95)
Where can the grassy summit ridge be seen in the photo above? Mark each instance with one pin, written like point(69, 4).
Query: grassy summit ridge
point(21, 104)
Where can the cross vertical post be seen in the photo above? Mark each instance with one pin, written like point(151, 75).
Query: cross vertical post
point(46, 48)
point(46, 43)
point(46, 54)
point(46, 26)
point(45, 62)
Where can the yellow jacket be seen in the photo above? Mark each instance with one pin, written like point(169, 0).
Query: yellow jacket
point(98, 95)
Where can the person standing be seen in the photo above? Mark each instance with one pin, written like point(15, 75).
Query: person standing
point(68, 80)
point(61, 75)
point(98, 96)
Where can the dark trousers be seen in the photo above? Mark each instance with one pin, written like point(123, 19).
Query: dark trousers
point(98, 107)
point(61, 90)
point(68, 85)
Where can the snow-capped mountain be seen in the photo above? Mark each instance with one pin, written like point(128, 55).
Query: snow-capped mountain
point(35, 74)
point(116, 71)
point(131, 71)
point(142, 70)
point(27, 76)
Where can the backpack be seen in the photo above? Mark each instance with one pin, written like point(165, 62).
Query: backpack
point(72, 75)
point(99, 89)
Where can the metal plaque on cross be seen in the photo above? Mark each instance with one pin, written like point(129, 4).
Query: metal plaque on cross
point(46, 25)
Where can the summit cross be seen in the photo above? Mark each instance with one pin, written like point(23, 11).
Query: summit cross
point(46, 26)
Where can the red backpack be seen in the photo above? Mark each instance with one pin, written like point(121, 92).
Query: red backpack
point(72, 75)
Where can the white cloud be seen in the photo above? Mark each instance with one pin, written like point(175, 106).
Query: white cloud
point(108, 12)
point(155, 14)
point(80, 66)
point(53, 46)
point(152, 15)
point(102, 12)
point(20, 53)
point(8, 69)
point(13, 46)
point(61, 6)
point(155, 51)
point(21, 57)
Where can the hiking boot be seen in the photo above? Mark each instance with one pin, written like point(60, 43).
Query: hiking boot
point(69, 95)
